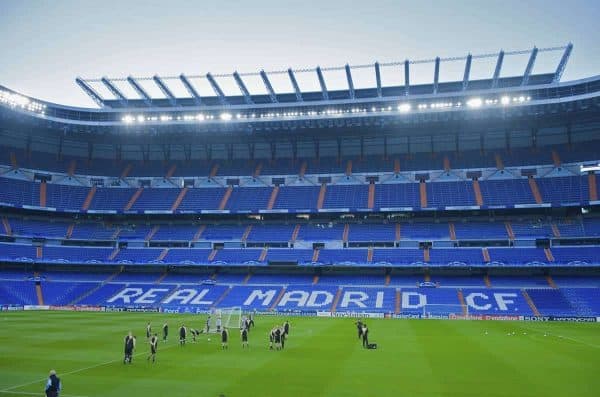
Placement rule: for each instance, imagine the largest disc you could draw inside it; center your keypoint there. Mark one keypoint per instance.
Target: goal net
(432, 310)
(230, 317)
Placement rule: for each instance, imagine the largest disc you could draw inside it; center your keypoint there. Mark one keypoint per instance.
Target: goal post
(227, 317)
(431, 310)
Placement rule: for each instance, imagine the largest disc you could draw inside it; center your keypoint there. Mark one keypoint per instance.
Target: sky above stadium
(46, 44)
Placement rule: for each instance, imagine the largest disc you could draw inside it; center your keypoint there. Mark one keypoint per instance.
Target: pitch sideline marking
(576, 340)
(564, 337)
(36, 394)
(10, 389)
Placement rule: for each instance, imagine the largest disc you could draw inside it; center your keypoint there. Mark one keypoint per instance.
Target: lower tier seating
(298, 292)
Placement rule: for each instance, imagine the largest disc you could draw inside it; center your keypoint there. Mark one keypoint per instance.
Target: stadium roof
(439, 101)
(245, 97)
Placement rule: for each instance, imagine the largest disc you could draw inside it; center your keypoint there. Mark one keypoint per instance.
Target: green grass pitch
(323, 357)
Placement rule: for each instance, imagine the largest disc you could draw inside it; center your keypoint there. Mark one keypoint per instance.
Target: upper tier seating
(449, 194)
(18, 193)
(400, 195)
(283, 233)
(508, 256)
(286, 166)
(346, 196)
(505, 193)
(107, 198)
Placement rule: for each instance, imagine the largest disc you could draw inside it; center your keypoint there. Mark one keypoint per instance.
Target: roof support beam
(165, 90)
(563, 63)
(90, 91)
(268, 86)
(436, 75)
(322, 83)
(498, 69)
(529, 67)
(216, 88)
(350, 82)
(243, 88)
(295, 85)
(467, 72)
(406, 77)
(138, 88)
(114, 90)
(378, 79)
(190, 89)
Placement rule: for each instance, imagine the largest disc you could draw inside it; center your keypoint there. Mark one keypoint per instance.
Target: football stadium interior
(466, 199)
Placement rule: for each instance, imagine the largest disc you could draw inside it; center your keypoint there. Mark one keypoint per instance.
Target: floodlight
(588, 168)
(404, 108)
(474, 103)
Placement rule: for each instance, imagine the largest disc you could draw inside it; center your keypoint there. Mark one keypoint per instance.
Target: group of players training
(277, 336)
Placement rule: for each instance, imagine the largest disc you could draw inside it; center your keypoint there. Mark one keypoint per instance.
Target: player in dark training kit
(195, 333)
(252, 318)
(359, 327)
(165, 332)
(286, 328)
(153, 346)
(277, 337)
(244, 337)
(365, 336)
(224, 338)
(182, 335)
(246, 323)
(129, 347)
(53, 385)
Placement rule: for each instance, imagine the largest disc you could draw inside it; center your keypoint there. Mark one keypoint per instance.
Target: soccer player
(282, 333)
(148, 331)
(165, 332)
(195, 333)
(153, 346)
(244, 338)
(277, 338)
(365, 336)
(219, 324)
(224, 338)
(208, 324)
(252, 317)
(271, 338)
(53, 386)
(129, 347)
(286, 328)
(182, 335)
(359, 327)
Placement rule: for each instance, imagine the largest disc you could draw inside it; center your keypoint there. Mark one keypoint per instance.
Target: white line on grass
(576, 340)
(9, 389)
(36, 394)
(563, 337)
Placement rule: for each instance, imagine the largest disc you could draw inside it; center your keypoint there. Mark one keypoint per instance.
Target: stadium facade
(474, 196)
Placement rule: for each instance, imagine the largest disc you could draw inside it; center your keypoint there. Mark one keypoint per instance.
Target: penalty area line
(75, 371)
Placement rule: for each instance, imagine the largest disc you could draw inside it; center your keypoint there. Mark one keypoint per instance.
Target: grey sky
(46, 44)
